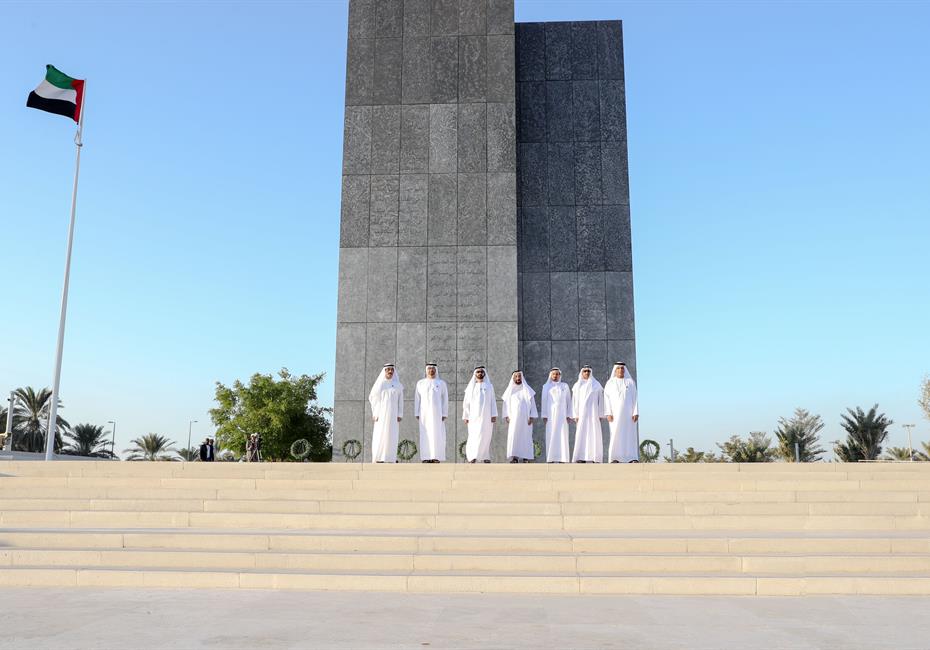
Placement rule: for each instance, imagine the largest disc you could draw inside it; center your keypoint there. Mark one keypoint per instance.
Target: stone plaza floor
(129, 618)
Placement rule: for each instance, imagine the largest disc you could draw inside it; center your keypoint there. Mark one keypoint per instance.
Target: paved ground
(130, 618)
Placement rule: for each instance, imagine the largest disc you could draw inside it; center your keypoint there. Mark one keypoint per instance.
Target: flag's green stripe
(56, 77)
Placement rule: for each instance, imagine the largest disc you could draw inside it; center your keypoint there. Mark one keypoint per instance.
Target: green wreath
(537, 449)
(462, 454)
(300, 449)
(649, 451)
(406, 449)
(351, 449)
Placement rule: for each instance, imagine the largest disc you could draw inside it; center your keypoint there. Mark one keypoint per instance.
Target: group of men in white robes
(585, 404)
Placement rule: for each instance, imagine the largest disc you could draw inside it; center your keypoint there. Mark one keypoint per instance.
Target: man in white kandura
(431, 408)
(622, 416)
(519, 410)
(556, 413)
(479, 411)
(588, 406)
(387, 409)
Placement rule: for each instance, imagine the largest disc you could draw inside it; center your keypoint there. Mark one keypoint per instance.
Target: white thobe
(556, 409)
(520, 406)
(620, 402)
(387, 404)
(587, 404)
(430, 406)
(479, 406)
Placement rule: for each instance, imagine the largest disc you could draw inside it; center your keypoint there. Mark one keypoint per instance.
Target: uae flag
(58, 93)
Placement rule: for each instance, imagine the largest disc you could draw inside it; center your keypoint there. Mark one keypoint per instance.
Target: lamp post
(189, 425)
(113, 443)
(910, 450)
(8, 443)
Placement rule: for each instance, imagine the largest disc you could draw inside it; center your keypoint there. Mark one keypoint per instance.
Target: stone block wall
(575, 257)
(428, 237)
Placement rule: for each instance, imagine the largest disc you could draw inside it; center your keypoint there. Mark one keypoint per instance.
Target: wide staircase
(753, 529)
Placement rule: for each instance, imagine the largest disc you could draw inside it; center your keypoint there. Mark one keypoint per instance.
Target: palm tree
(865, 433)
(189, 454)
(30, 419)
(88, 440)
(801, 429)
(691, 455)
(757, 448)
(897, 453)
(152, 446)
(925, 454)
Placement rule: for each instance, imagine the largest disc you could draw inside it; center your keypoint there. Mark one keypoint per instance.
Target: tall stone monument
(485, 204)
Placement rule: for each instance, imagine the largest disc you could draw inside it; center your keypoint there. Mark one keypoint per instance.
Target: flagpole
(53, 409)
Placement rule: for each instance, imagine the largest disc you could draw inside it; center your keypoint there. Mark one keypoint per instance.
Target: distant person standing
(622, 416)
(431, 408)
(588, 406)
(518, 405)
(479, 412)
(387, 409)
(205, 450)
(211, 450)
(251, 448)
(556, 403)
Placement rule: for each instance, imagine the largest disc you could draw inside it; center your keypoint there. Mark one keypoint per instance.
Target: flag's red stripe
(78, 85)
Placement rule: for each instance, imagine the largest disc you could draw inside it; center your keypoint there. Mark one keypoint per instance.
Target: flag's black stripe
(57, 106)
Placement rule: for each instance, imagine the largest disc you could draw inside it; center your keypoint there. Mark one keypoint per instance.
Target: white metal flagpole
(53, 407)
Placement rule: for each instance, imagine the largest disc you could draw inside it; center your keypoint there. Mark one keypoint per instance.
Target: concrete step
(423, 582)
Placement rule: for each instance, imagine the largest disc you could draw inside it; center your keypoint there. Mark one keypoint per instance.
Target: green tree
(897, 453)
(865, 433)
(924, 399)
(802, 428)
(281, 410)
(152, 446)
(87, 440)
(30, 419)
(691, 455)
(757, 448)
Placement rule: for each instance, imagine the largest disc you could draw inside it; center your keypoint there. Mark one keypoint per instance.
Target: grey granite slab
(443, 69)
(414, 139)
(558, 111)
(472, 209)
(388, 65)
(472, 137)
(590, 237)
(531, 52)
(534, 238)
(584, 50)
(416, 17)
(385, 139)
(382, 285)
(415, 81)
(532, 107)
(502, 283)
(558, 50)
(502, 202)
(362, 19)
(536, 362)
(380, 348)
(501, 138)
(471, 349)
(620, 312)
(586, 111)
(389, 18)
(594, 354)
(564, 310)
(565, 355)
(610, 49)
(353, 222)
(560, 167)
(382, 229)
(613, 111)
(471, 283)
(444, 17)
(443, 138)
(624, 351)
(473, 68)
(349, 419)
(360, 70)
(353, 277)
(440, 349)
(350, 361)
(356, 147)
(500, 68)
(563, 249)
(473, 17)
(442, 211)
(588, 173)
(592, 306)
(535, 306)
(441, 278)
(412, 209)
(500, 17)
(411, 284)
(616, 183)
(410, 360)
(618, 249)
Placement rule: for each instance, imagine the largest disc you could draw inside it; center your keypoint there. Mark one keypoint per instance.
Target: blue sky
(779, 183)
